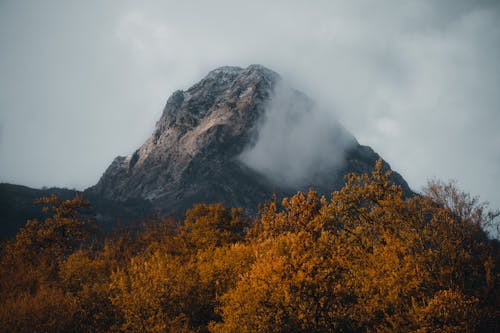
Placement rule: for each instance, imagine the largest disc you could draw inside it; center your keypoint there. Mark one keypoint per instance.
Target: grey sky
(419, 81)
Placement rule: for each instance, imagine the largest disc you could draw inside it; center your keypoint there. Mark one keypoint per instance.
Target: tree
(156, 293)
(59, 234)
(367, 260)
(212, 225)
(32, 298)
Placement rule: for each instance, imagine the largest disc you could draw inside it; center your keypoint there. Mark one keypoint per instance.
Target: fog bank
(297, 140)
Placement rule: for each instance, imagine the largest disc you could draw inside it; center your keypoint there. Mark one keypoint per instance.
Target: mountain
(230, 138)
(196, 151)
(214, 143)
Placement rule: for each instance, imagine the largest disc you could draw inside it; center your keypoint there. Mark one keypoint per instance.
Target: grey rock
(193, 153)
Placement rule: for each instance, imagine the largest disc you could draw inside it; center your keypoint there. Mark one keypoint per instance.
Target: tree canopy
(365, 259)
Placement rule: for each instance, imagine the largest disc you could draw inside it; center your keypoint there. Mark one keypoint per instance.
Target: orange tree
(166, 288)
(366, 260)
(32, 299)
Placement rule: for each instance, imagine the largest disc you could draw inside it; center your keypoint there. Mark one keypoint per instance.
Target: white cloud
(416, 80)
(297, 140)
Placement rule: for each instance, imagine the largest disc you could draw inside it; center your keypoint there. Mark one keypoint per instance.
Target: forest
(365, 259)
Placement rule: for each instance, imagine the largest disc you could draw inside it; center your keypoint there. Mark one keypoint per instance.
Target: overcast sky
(84, 81)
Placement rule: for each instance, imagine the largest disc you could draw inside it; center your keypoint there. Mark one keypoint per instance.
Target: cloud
(296, 140)
(416, 80)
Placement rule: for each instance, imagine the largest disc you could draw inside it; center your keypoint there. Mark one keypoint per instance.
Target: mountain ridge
(194, 151)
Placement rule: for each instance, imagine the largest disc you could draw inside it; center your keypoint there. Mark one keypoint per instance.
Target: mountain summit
(203, 147)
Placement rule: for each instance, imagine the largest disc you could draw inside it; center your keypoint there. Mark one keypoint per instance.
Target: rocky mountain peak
(211, 122)
(193, 152)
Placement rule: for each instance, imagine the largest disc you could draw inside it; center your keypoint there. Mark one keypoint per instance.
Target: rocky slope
(194, 153)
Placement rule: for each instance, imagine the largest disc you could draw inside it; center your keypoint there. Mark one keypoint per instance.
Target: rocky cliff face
(194, 153)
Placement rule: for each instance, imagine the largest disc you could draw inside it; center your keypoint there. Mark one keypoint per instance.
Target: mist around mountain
(238, 136)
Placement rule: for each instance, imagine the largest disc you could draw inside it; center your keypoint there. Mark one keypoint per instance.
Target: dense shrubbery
(364, 260)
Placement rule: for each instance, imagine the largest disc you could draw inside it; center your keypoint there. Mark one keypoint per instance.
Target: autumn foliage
(366, 259)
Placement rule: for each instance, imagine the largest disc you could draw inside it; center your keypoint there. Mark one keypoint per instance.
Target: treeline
(364, 260)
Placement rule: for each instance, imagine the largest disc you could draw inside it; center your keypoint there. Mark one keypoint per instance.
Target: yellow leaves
(49, 309)
(149, 294)
(79, 270)
(300, 213)
(359, 262)
(220, 269)
(366, 260)
(208, 226)
(448, 311)
(290, 287)
(254, 304)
